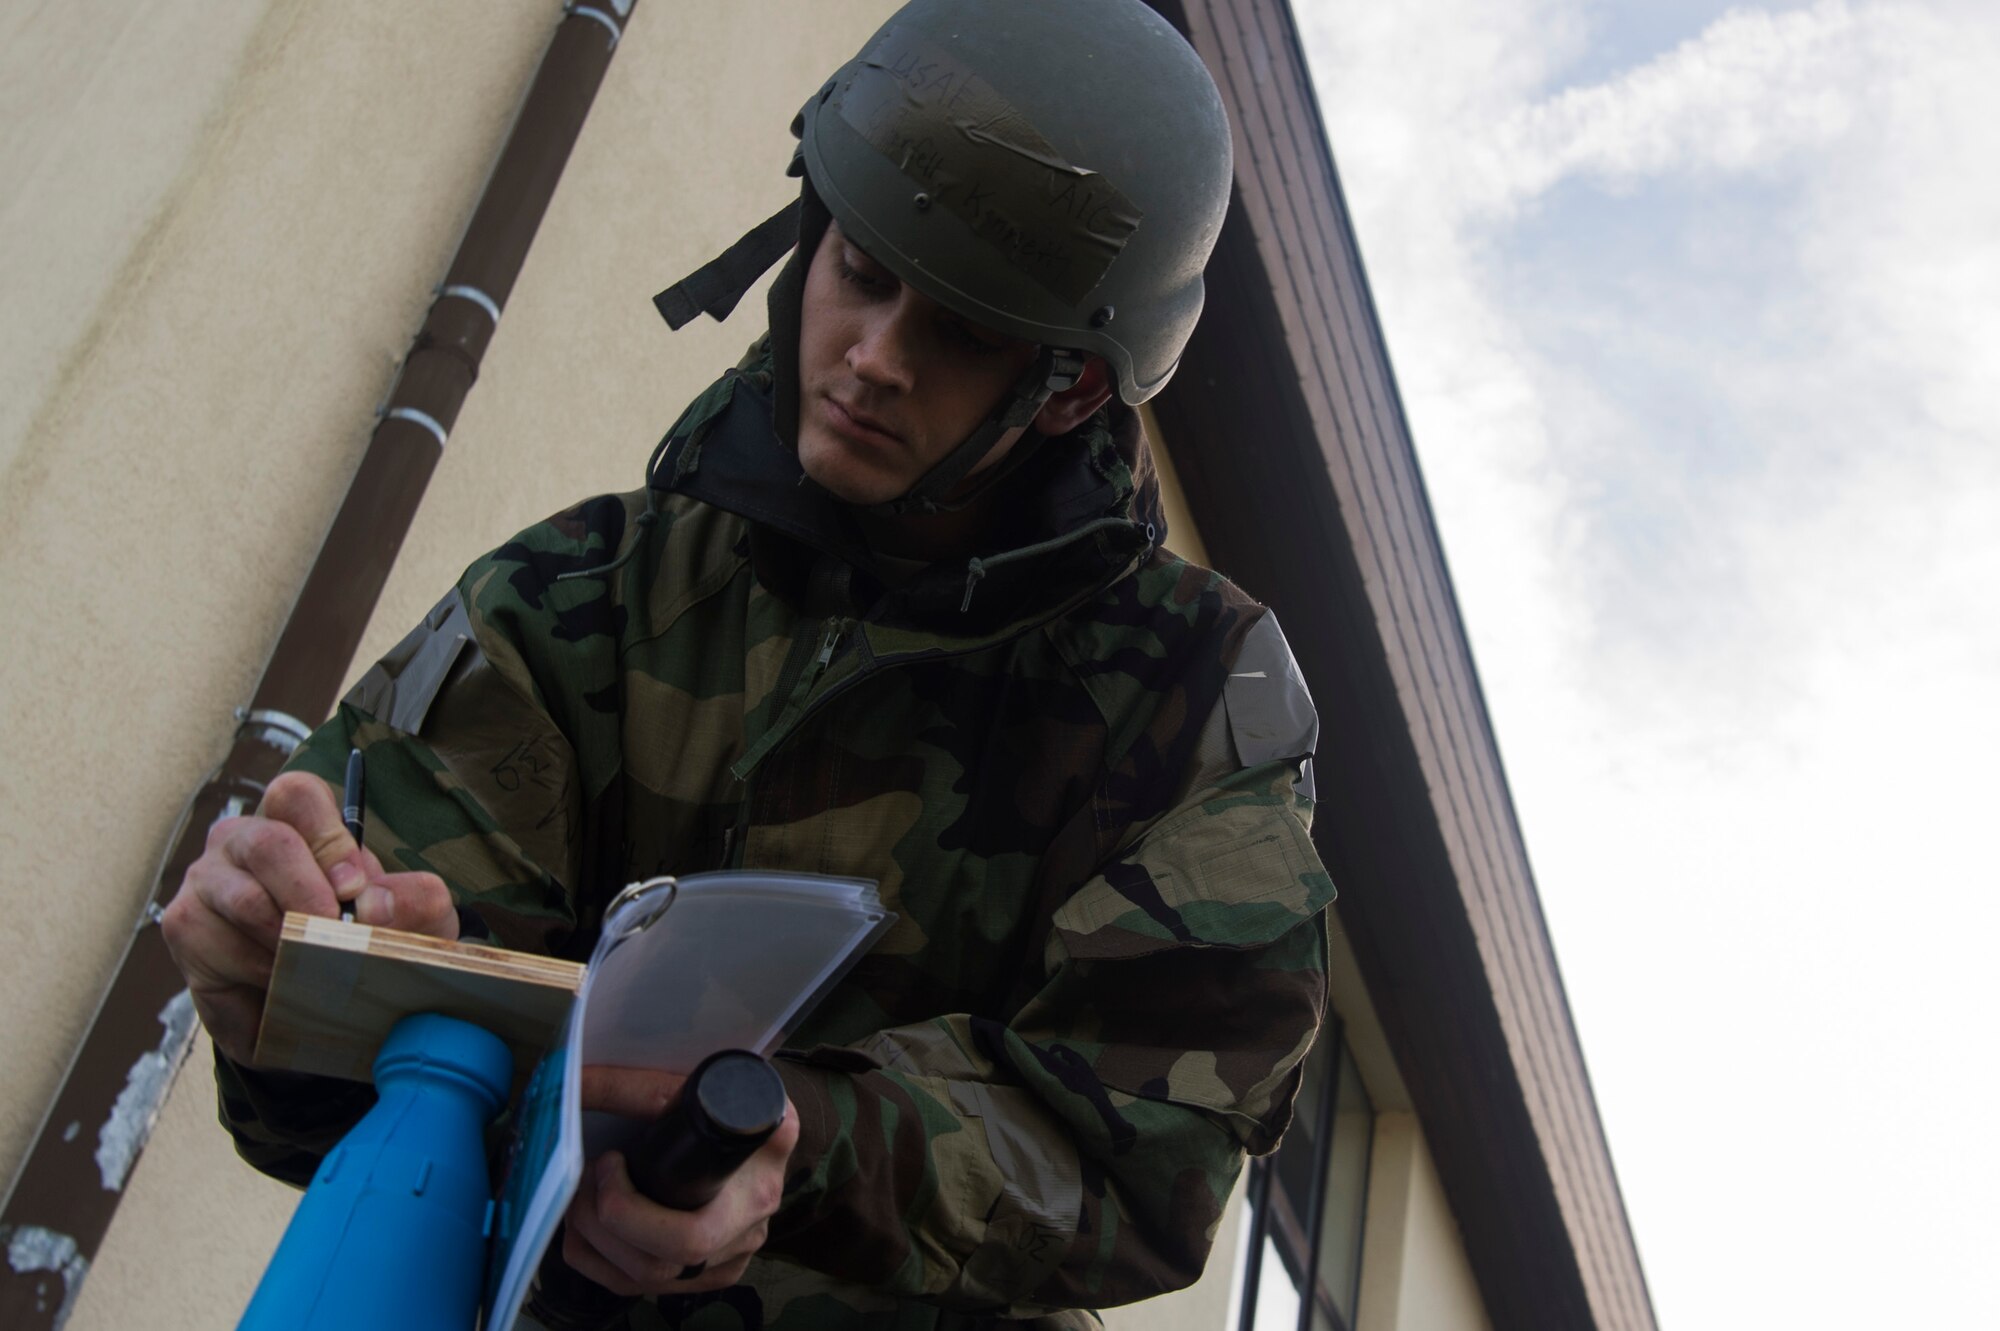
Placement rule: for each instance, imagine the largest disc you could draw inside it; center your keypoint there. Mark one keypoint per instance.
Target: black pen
(350, 810)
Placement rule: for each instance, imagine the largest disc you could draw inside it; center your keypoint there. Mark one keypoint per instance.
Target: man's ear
(1073, 406)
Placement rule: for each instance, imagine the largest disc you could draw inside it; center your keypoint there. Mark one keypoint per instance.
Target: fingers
(216, 949)
(231, 1017)
(221, 928)
(413, 901)
(223, 925)
(585, 1260)
(256, 869)
(779, 1146)
(631, 1245)
(633, 1092)
(417, 902)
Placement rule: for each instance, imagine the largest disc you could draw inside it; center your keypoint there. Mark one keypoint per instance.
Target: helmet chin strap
(1054, 370)
(714, 289)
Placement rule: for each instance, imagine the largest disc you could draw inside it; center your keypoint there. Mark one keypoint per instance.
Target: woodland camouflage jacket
(1074, 766)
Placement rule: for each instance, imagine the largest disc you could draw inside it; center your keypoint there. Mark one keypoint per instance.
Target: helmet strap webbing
(715, 287)
(785, 306)
(1054, 370)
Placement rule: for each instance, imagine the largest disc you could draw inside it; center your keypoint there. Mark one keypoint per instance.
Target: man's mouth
(859, 425)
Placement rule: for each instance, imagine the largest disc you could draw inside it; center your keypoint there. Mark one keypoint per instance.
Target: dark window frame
(1298, 1239)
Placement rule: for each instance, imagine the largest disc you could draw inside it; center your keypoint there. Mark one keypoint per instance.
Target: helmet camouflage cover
(1055, 170)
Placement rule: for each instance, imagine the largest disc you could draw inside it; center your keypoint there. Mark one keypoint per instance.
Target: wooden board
(338, 988)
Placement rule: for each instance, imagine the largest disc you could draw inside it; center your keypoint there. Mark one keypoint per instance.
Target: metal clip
(601, 17)
(280, 730)
(1065, 368)
(476, 296)
(668, 886)
(423, 418)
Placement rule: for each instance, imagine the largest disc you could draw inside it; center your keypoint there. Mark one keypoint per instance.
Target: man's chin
(861, 491)
(847, 478)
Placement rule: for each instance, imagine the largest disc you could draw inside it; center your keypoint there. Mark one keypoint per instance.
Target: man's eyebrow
(855, 245)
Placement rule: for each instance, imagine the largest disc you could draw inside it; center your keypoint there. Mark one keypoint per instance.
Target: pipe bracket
(280, 730)
(423, 418)
(477, 297)
(601, 17)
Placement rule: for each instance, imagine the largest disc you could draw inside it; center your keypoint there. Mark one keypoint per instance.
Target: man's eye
(971, 339)
(865, 280)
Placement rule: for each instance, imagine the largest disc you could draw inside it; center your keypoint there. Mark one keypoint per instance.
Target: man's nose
(882, 356)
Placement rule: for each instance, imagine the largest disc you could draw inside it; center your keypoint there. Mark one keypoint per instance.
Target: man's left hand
(629, 1244)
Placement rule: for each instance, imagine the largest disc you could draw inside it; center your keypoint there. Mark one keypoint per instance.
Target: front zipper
(832, 632)
(836, 629)
(828, 645)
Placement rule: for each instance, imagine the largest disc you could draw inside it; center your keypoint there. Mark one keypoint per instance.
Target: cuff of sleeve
(283, 1122)
(819, 1127)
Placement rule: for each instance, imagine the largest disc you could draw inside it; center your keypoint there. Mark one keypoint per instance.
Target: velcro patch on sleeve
(1271, 714)
(399, 689)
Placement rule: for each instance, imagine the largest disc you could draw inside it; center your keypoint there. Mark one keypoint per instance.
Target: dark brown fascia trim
(1289, 434)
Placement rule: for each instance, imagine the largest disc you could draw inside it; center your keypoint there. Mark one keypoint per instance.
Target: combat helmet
(1054, 170)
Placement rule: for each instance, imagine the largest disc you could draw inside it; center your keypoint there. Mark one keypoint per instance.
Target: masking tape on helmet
(967, 150)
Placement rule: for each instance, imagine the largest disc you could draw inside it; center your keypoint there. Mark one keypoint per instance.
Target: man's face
(889, 380)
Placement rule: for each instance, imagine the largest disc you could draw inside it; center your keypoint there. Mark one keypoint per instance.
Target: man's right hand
(293, 854)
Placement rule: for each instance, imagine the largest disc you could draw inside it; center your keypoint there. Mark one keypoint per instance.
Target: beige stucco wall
(219, 226)
(1414, 1276)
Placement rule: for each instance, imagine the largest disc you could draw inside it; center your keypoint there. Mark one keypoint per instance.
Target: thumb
(632, 1092)
(309, 806)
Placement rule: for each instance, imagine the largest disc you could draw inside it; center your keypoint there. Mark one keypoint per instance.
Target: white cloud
(1749, 91)
(1703, 362)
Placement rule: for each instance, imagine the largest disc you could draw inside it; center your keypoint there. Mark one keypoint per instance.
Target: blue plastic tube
(391, 1233)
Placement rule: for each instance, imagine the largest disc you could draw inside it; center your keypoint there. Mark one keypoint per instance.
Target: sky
(1695, 310)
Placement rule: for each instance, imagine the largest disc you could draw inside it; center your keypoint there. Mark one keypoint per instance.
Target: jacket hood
(1072, 518)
